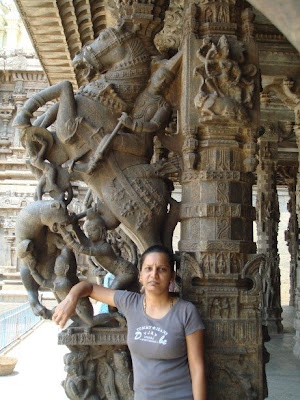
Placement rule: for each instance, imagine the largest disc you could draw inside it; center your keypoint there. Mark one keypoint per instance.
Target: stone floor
(283, 369)
(40, 368)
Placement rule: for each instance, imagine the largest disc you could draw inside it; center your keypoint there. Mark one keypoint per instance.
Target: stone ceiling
(59, 28)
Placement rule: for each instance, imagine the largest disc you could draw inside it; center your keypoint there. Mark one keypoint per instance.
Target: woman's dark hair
(157, 248)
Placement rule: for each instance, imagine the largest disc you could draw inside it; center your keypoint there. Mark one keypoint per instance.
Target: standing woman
(165, 334)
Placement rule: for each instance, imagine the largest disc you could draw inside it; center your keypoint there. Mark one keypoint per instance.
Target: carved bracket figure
(119, 171)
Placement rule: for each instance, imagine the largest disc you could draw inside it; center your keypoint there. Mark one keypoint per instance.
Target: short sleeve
(125, 301)
(193, 321)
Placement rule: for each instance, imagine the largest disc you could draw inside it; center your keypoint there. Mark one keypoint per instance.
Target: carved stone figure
(38, 245)
(96, 245)
(52, 178)
(123, 375)
(149, 117)
(227, 84)
(107, 382)
(60, 284)
(82, 121)
(80, 381)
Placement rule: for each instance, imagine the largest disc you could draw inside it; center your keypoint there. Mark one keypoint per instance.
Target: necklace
(171, 302)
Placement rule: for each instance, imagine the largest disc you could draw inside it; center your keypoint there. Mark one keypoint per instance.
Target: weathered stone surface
(210, 117)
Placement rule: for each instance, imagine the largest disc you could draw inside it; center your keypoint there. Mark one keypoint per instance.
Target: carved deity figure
(95, 244)
(107, 380)
(149, 117)
(227, 84)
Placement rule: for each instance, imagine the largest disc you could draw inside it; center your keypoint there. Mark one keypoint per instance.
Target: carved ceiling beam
(59, 29)
(98, 16)
(45, 27)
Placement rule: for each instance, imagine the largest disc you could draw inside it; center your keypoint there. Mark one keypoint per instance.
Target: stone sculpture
(124, 181)
(227, 84)
(113, 158)
(38, 246)
(105, 136)
(96, 245)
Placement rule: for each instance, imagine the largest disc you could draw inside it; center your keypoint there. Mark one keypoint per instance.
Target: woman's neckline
(175, 300)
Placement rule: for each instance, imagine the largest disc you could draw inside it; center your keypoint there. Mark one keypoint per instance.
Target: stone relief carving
(38, 245)
(241, 385)
(227, 81)
(168, 40)
(80, 382)
(287, 91)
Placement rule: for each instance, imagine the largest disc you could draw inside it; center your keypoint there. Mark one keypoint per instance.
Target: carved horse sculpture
(131, 195)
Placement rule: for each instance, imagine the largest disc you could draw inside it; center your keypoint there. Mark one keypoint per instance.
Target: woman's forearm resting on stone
(67, 307)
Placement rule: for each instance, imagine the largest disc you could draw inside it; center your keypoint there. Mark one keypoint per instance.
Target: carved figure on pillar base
(123, 375)
(102, 374)
(80, 382)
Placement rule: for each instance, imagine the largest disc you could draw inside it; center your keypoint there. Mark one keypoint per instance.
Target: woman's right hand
(64, 310)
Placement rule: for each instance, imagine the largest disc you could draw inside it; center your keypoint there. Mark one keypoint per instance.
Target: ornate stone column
(219, 117)
(19, 96)
(296, 349)
(6, 110)
(291, 234)
(267, 228)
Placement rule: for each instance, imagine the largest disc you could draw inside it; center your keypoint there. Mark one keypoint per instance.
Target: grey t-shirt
(158, 347)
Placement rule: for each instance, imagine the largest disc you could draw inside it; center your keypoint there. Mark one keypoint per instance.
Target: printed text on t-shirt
(152, 334)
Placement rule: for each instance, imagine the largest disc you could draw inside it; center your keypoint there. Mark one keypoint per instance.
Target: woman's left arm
(195, 353)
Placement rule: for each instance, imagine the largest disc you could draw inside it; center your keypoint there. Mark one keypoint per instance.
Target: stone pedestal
(99, 364)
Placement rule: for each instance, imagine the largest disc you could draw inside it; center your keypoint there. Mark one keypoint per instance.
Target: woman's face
(156, 273)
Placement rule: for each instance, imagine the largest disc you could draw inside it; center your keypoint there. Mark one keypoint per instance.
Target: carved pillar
(19, 96)
(219, 270)
(285, 91)
(291, 237)
(98, 365)
(267, 229)
(296, 349)
(6, 110)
